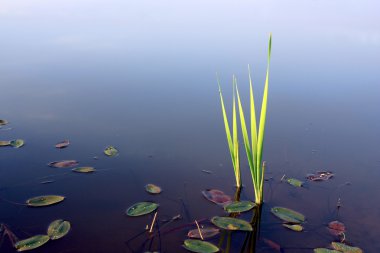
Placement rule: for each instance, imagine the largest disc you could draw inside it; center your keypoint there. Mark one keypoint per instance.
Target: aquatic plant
(254, 148)
(233, 142)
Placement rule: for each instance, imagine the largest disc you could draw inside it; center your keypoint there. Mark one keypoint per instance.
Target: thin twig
(151, 226)
(199, 230)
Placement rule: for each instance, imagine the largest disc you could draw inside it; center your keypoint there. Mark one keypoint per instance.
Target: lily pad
(336, 228)
(84, 169)
(238, 207)
(323, 250)
(294, 227)
(63, 164)
(32, 242)
(3, 122)
(288, 215)
(46, 200)
(141, 208)
(58, 229)
(294, 182)
(217, 197)
(345, 248)
(63, 144)
(320, 176)
(110, 151)
(199, 246)
(229, 223)
(17, 143)
(153, 189)
(207, 232)
(5, 143)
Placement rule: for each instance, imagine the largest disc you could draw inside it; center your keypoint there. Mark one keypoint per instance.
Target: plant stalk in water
(254, 147)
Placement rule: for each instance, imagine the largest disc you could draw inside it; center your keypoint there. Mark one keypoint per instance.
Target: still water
(141, 77)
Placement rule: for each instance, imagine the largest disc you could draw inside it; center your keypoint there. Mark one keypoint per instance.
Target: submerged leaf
(110, 151)
(32, 242)
(141, 208)
(207, 232)
(294, 227)
(63, 164)
(84, 169)
(229, 223)
(272, 245)
(58, 229)
(320, 176)
(46, 200)
(323, 250)
(288, 215)
(345, 248)
(238, 207)
(3, 122)
(200, 246)
(17, 143)
(153, 189)
(336, 228)
(5, 143)
(217, 197)
(294, 182)
(62, 144)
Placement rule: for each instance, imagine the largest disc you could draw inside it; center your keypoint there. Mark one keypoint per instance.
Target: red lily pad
(336, 228)
(63, 164)
(320, 176)
(207, 232)
(216, 196)
(62, 144)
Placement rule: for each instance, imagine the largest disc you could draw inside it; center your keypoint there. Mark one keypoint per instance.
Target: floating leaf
(32, 242)
(141, 208)
(3, 122)
(17, 143)
(46, 200)
(153, 189)
(288, 215)
(63, 164)
(238, 207)
(345, 248)
(217, 197)
(294, 227)
(58, 229)
(320, 176)
(110, 151)
(5, 143)
(84, 169)
(62, 144)
(336, 228)
(200, 246)
(207, 232)
(294, 182)
(231, 223)
(323, 250)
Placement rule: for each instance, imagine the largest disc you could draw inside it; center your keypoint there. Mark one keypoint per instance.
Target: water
(141, 77)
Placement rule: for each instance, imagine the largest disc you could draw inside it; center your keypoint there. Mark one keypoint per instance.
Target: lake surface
(141, 77)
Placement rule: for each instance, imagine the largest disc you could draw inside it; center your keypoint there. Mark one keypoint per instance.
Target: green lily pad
(111, 151)
(46, 200)
(229, 223)
(17, 143)
(323, 250)
(294, 227)
(295, 182)
(58, 229)
(5, 143)
(84, 169)
(3, 122)
(141, 208)
(199, 246)
(153, 189)
(288, 215)
(32, 242)
(345, 248)
(238, 207)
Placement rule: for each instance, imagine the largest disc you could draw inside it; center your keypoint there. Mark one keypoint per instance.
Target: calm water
(141, 77)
